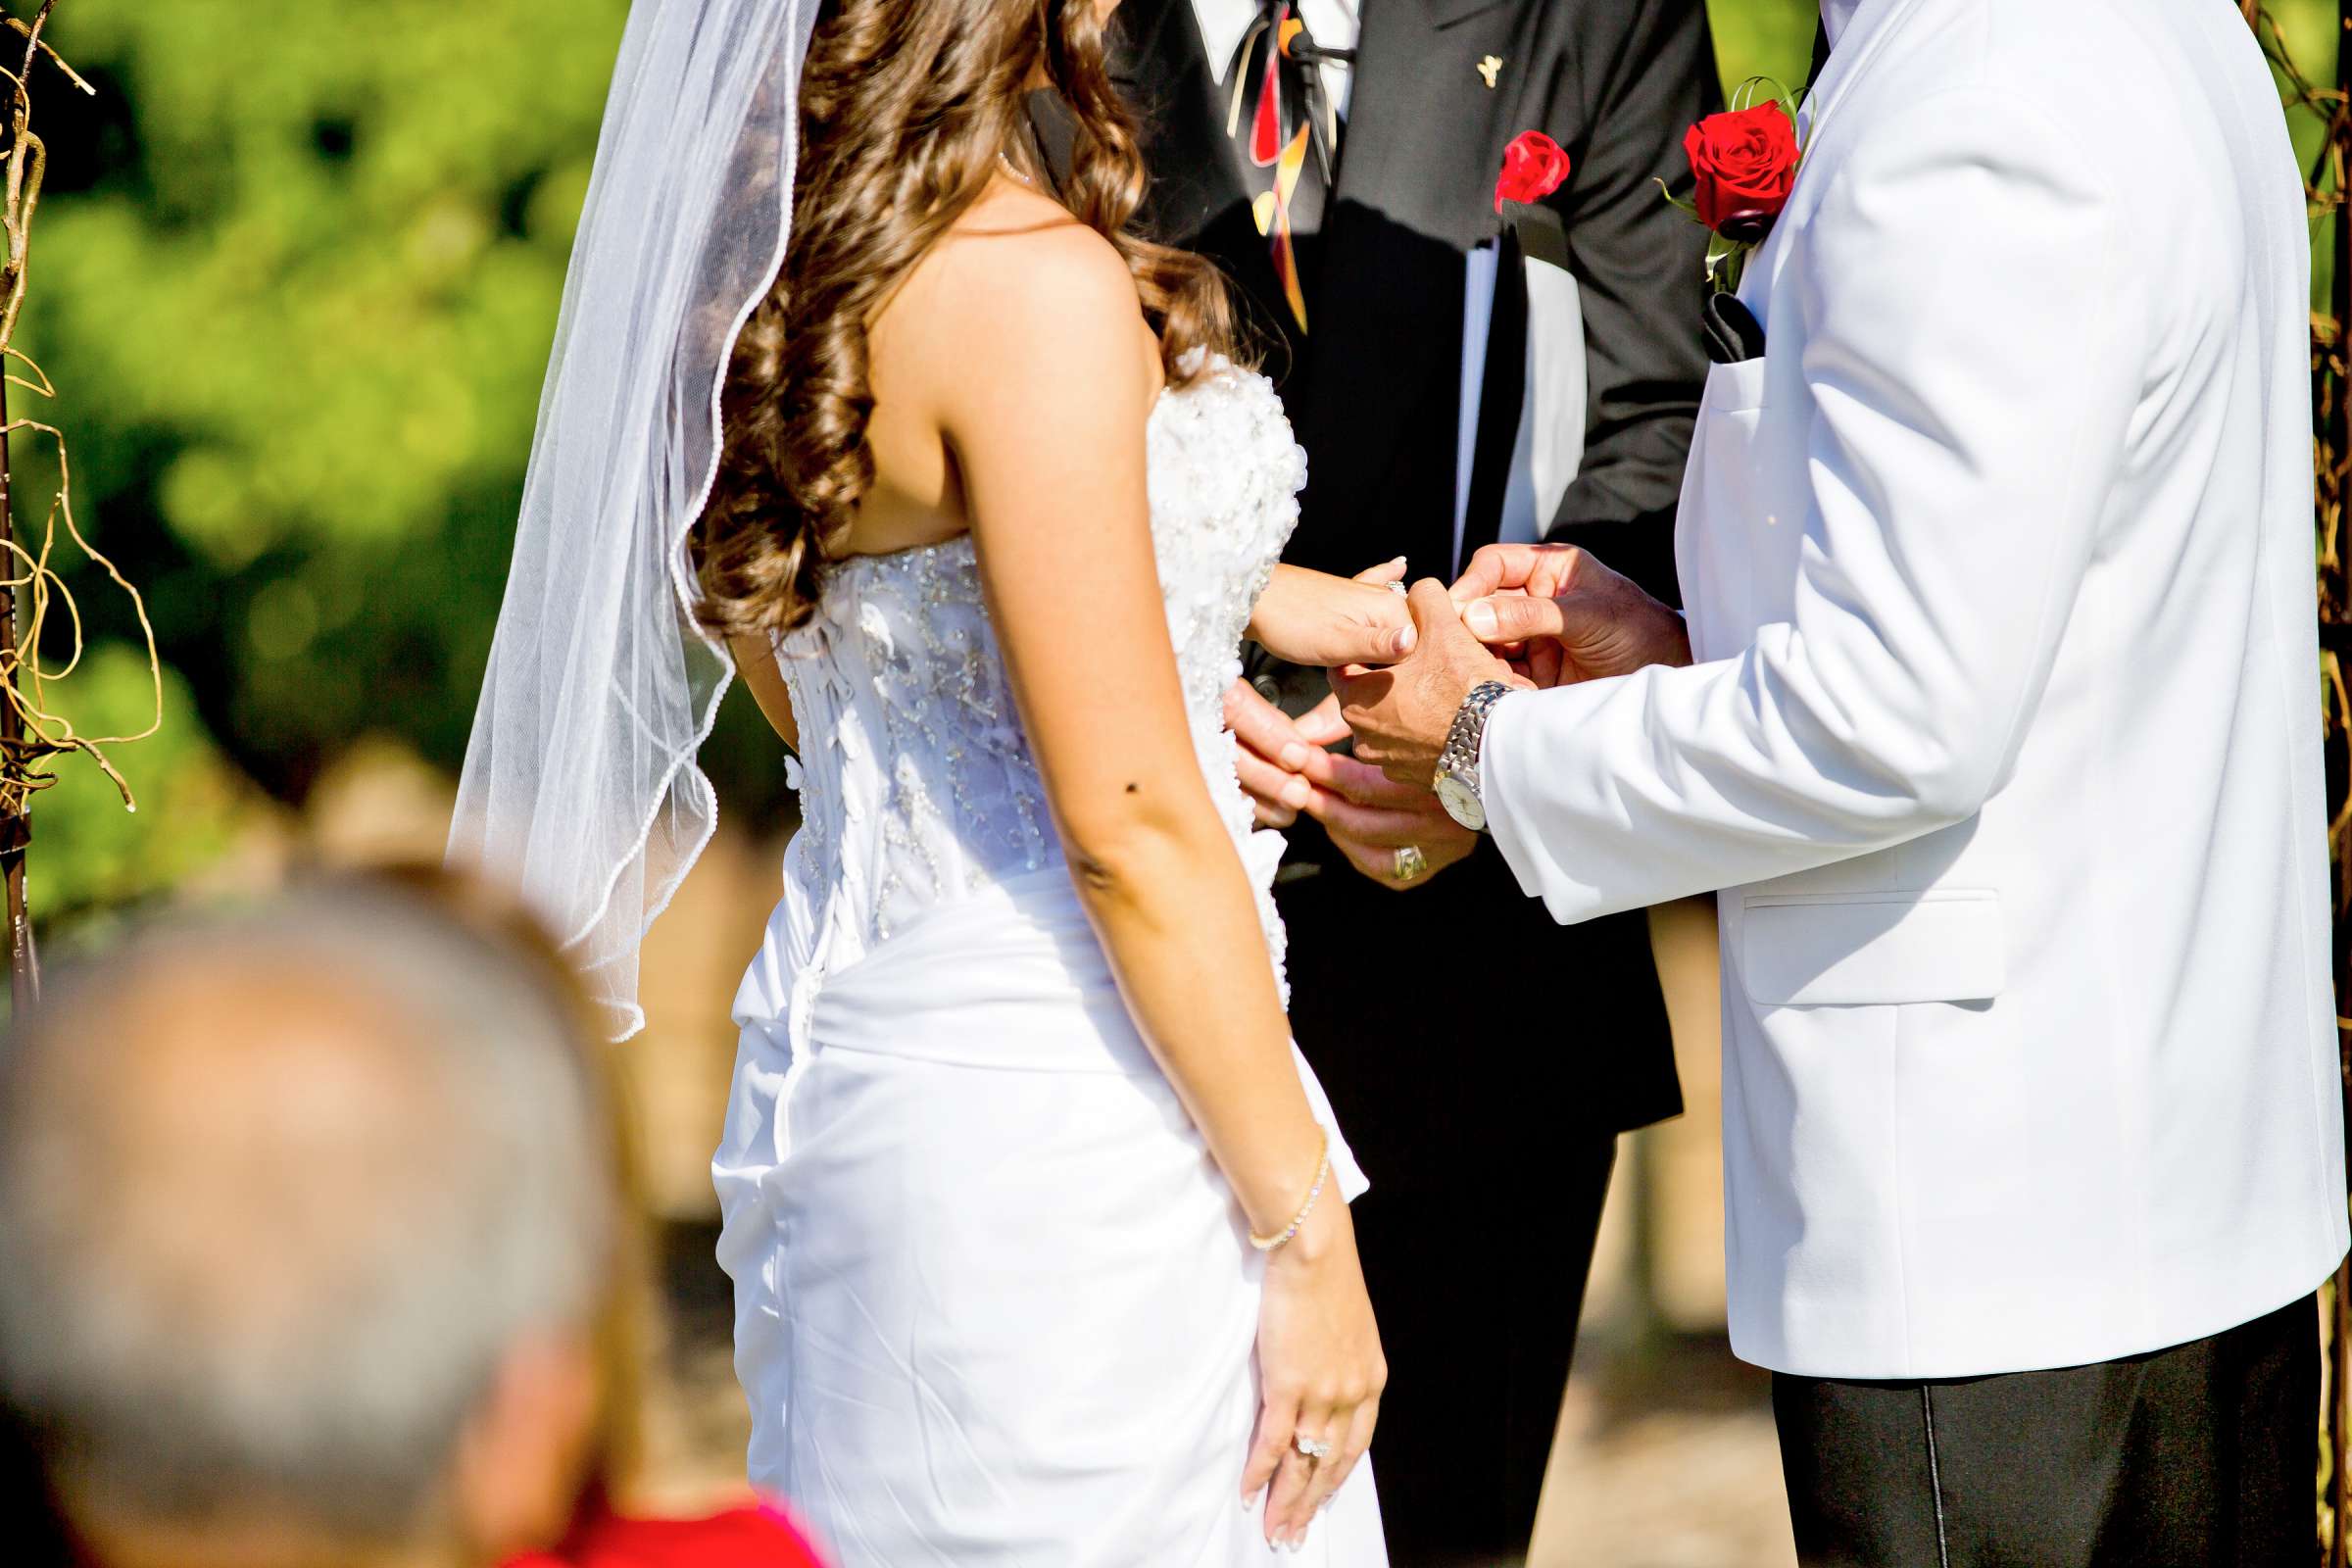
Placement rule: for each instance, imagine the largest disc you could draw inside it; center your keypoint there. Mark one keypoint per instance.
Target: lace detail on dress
(922, 786)
(1224, 478)
(917, 782)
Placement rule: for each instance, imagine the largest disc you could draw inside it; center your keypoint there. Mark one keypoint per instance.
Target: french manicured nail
(1297, 794)
(1407, 636)
(1480, 619)
(1293, 758)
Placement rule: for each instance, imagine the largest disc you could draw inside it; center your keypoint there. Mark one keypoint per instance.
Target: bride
(1037, 1220)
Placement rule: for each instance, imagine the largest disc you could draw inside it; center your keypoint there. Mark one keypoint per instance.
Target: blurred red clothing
(745, 1537)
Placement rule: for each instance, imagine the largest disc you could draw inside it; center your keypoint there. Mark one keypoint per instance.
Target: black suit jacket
(1374, 387)
(1373, 390)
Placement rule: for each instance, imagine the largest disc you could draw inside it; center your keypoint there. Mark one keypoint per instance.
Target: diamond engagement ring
(1411, 863)
(1311, 1448)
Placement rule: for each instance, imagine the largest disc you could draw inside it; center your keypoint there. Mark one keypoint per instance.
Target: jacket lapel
(1863, 36)
(1861, 40)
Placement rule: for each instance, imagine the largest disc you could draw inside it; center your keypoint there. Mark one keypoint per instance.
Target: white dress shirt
(1333, 23)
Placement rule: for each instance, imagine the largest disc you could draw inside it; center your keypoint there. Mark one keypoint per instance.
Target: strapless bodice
(918, 786)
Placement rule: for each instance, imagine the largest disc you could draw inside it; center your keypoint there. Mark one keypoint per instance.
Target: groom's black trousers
(2198, 1456)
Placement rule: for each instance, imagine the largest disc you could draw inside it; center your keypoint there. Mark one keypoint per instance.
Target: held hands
(1558, 613)
(1299, 608)
(1394, 835)
(1565, 618)
(1555, 615)
(1400, 716)
(1375, 822)
(1311, 618)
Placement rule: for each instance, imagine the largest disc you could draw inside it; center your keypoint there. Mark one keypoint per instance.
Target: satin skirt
(995, 1304)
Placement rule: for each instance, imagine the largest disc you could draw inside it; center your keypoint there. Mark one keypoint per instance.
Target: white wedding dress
(995, 1304)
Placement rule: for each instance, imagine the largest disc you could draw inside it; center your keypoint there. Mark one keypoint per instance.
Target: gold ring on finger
(1411, 865)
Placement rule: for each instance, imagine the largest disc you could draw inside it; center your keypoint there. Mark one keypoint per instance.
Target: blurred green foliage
(1763, 38)
(188, 801)
(296, 283)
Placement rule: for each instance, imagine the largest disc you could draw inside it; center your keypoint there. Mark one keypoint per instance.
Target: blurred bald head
(283, 1194)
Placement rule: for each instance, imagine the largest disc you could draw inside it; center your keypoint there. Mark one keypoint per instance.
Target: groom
(1455, 377)
(1994, 722)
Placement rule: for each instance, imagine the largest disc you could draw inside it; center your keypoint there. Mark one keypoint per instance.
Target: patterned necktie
(1291, 129)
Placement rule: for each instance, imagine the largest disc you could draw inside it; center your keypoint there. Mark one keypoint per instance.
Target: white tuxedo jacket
(2004, 742)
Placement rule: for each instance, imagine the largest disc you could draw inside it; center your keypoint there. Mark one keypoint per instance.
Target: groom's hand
(1376, 823)
(1566, 616)
(1401, 714)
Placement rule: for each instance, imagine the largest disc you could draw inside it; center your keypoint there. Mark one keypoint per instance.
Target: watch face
(1461, 803)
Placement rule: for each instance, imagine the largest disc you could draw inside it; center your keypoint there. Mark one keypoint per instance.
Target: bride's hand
(1320, 1370)
(1313, 618)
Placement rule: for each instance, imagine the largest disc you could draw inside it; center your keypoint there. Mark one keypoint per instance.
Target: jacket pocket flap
(1873, 950)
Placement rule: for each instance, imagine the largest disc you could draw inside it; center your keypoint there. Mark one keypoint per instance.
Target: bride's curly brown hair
(905, 108)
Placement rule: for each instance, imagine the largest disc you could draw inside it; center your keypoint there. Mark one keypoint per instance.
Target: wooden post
(29, 732)
(2334, 445)
(16, 824)
(16, 828)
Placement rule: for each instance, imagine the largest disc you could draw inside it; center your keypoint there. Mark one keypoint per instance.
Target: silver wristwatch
(1456, 782)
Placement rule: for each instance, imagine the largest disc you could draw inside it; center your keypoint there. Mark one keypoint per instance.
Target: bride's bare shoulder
(1019, 284)
(1019, 248)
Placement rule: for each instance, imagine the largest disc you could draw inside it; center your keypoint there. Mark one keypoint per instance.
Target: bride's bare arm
(755, 662)
(1050, 445)
(1312, 618)
(1043, 378)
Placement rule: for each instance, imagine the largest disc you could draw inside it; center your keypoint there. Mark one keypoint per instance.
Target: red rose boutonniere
(1744, 163)
(1533, 167)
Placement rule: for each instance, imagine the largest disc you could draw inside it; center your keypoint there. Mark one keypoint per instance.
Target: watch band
(1457, 783)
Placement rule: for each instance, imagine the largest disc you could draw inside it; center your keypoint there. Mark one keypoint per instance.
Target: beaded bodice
(916, 781)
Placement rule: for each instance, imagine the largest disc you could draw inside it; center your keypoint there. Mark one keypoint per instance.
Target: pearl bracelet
(1267, 1244)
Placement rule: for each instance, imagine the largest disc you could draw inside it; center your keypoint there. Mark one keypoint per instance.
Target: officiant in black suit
(1455, 377)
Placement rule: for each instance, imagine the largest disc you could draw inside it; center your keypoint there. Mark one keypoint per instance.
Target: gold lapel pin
(1490, 68)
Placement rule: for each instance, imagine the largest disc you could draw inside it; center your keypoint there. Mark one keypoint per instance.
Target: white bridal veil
(580, 781)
